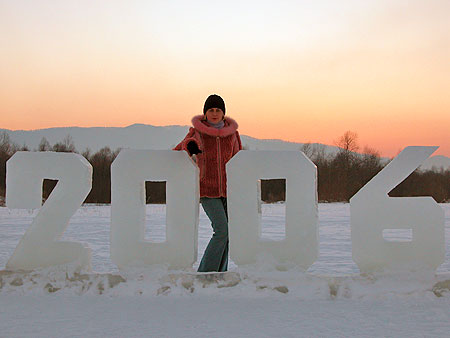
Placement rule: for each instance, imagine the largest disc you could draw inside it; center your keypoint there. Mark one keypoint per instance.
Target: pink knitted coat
(218, 146)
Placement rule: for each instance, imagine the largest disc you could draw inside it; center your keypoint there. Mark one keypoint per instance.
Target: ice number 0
(39, 247)
(300, 245)
(129, 172)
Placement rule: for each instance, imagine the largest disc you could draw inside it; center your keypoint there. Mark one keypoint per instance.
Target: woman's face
(214, 115)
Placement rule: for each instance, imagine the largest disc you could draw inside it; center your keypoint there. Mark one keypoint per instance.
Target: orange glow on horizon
(290, 71)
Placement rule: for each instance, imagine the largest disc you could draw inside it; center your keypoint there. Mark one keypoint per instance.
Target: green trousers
(215, 257)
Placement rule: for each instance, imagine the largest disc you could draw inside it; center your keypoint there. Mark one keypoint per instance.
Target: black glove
(192, 148)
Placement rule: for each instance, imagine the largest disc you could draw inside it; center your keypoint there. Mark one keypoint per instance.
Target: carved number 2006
(40, 246)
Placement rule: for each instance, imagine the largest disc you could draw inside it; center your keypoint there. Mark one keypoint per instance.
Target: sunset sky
(303, 71)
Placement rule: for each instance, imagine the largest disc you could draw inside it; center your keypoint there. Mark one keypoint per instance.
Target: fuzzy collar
(229, 128)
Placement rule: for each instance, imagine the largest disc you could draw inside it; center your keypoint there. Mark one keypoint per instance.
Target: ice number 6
(373, 211)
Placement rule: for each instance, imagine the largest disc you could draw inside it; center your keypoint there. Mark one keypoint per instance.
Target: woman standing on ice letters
(212, 142)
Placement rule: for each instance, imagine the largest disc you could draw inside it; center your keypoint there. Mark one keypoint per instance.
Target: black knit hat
(214, 101)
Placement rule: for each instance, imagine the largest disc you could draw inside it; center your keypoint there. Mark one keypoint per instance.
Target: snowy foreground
(330, 300)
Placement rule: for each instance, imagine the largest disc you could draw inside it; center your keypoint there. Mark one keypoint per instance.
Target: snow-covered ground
(330, 300)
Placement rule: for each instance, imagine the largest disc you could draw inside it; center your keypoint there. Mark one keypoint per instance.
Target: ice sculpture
(39, 247)
(372, 211)
(300, 245)
(129, 172)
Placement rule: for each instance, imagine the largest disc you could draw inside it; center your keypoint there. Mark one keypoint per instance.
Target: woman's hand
(193, 149)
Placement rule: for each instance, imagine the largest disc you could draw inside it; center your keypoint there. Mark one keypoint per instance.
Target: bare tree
(44, 145)
(101, 185)
(86, 153)
(6, 145)
(369, 151)
(345, 165)
(66, 145)
(307, 149)
(348, 142)
(7, 149)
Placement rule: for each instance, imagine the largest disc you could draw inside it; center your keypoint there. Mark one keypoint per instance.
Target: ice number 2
(39, 247)
(373, 211)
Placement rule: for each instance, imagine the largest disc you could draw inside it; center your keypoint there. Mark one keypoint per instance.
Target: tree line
(340, 175)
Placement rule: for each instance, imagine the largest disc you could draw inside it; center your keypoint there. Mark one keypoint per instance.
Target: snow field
(265, 300)
(333, 274)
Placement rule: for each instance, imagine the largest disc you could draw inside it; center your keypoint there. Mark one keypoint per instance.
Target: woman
(212, 141)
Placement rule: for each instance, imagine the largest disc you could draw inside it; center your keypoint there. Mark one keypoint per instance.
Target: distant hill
(136, 136)
(142, 136)
(437, 162)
